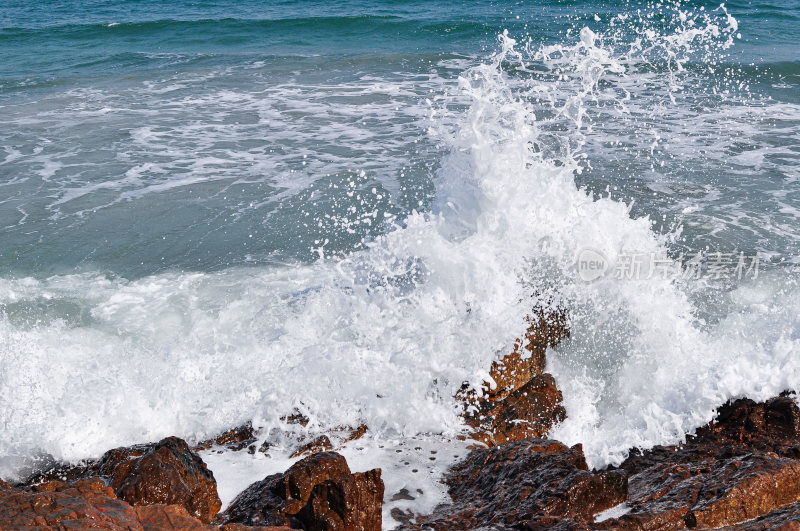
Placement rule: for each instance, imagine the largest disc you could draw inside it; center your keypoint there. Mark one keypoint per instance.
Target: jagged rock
(234, 439)
(787, 518)
(167, 472)
(87, 503)
(523, 401)
(525, 482)
(530, 411)
(277, 498)
(357, 433)
(347, 503)
(175, 518)
(741, 466)
(320, 444)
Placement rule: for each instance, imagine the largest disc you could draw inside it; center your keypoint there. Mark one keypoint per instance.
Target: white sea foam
(385, 336)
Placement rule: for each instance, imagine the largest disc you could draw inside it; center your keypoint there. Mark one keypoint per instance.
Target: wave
(386, 335)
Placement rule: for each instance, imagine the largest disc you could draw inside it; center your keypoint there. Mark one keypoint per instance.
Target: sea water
(214, 213)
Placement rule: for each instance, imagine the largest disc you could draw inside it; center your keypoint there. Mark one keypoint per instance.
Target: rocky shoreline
(741, 471)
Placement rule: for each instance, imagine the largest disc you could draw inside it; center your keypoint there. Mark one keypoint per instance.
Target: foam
(386, 335)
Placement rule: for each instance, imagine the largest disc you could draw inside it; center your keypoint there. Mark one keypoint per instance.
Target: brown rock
(533, 481)
(169, 518)
(787, 518)
(347, 503)
(524, 401)
(277, 498)
(741, 466)
(320, 444)
(234, 439)
(167, 472)
(530, 411)
(357, 433)
(85, 504)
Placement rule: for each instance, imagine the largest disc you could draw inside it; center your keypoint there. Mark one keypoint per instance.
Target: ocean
(220, 212)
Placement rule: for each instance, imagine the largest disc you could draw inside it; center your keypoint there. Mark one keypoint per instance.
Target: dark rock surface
(741, 466)
(320, 444)
(166, 472)
(345, 503)
(317, 492)
(534, 481)
(524, 400)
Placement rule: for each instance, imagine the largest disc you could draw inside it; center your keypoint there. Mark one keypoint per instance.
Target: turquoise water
(179, 134)
(213, 212)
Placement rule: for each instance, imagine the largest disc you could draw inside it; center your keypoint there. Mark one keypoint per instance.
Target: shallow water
(214, 213)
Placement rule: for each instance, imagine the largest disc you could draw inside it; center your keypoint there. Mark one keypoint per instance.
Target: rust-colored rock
(320, 444)
(347, 503)
(534, 481)
(277, 498)
(235, 439)
(787, 518)
(85, 504)
(175, 518)
(739, 467)
(167, 472)
(523, 401)
(530, 411)
(357, 433)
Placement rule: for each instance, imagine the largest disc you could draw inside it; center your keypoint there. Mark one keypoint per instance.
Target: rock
(277, 498)
(347, 503)
(532, 482)
(175, 518)
(787, 518)
(87, 503)
(296, 418)
(317, 493)
(234, 439)
(741, 466)
(320, 444)
(530, 411)
(523, 401)
(357, 433)
(167, 472)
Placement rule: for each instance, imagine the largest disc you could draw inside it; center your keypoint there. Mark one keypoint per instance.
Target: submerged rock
(317, 492)
(534, 482)
(320, 444)
(235, 439)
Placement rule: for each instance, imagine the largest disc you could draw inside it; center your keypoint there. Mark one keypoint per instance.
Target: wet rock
(167, 472)
(277, 498)
(234, 439)
(85, 504)
(175, 518)
(296, 418)
(357, 433)
(320, 444)
(739, 467)
(522, 401)
(347, 503)
(530, 411)
(787, 518)
(530, 482)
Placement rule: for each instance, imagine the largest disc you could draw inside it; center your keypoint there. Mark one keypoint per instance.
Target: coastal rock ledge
(741, 471)
(166, 486)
